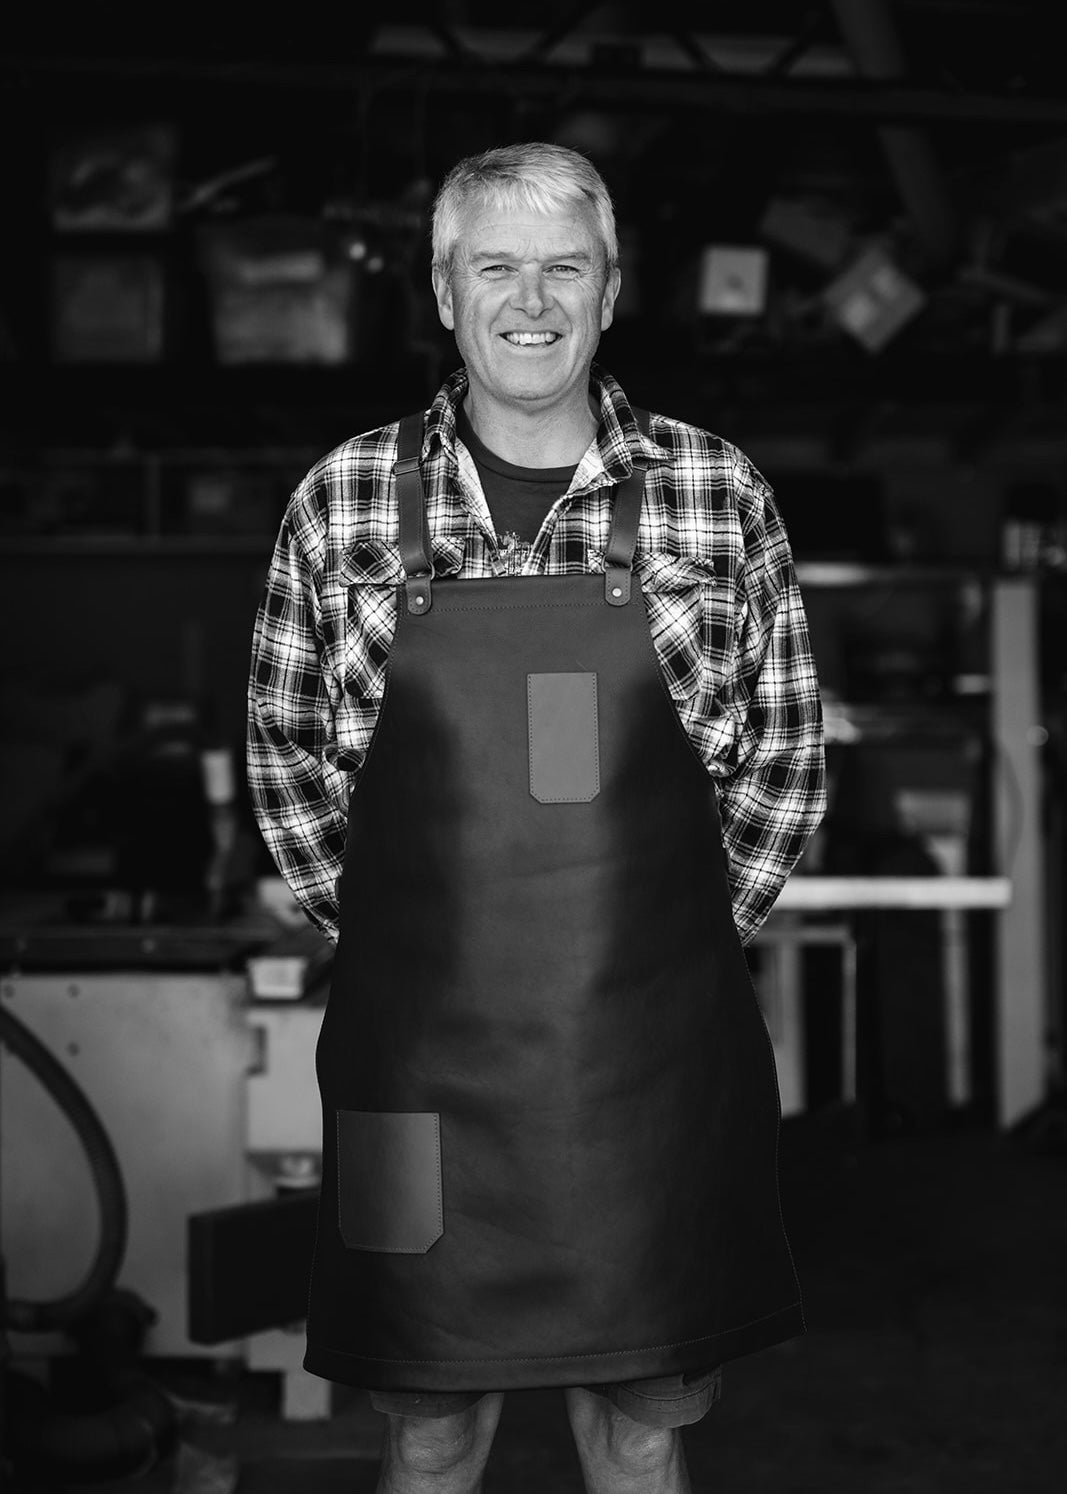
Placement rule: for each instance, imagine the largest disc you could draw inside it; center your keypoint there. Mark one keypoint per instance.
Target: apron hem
(538, 1372)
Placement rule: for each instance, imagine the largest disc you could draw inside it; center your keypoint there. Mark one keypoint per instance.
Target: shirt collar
(440, 428)
(619, 442)
(609, 459)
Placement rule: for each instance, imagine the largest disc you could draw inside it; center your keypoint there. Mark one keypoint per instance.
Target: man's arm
(298, 794)
(776, 796)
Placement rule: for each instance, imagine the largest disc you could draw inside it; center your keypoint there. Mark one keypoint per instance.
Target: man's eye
(495, 269)
(566, 271)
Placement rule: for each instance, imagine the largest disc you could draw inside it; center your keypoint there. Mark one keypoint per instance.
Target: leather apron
(549, 1097)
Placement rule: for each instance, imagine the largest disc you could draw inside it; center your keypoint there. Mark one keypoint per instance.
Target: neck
(538, 438)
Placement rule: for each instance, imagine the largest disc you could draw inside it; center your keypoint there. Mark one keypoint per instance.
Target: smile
(530, 339)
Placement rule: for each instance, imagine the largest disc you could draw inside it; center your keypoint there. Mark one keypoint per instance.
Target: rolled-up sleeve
(298, 794)
(775, 796)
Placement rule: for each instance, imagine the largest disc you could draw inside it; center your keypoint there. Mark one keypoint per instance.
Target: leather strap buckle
(419, 592)
(617, 585)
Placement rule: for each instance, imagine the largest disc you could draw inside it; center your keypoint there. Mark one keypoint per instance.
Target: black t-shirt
(518, 497)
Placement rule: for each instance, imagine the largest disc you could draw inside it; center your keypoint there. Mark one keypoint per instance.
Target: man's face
(528, 297)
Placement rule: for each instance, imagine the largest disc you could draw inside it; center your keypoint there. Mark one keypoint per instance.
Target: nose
(532, 293)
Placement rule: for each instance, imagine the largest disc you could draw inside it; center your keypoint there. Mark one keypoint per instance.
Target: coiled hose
(119, 1440)
(37, 1317)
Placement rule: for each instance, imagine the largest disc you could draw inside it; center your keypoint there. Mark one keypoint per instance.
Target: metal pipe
(827, 98)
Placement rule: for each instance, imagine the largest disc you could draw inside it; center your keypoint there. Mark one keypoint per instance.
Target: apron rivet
(420, 601)
(616, 591)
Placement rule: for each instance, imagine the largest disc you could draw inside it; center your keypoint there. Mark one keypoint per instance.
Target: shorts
(667, 1401)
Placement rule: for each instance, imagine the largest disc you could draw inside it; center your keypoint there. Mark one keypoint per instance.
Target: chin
(525, 393)
(538, 395)
(537, 387)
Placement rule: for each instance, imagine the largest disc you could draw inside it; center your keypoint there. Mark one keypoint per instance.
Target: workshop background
(844, 248)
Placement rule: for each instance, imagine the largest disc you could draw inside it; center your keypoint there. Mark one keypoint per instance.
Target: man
(532, 675)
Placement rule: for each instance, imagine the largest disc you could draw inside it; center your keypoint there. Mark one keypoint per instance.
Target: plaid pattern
(723, 606)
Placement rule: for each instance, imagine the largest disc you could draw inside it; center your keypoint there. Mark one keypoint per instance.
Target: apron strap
(622, 541)
(415, 538)
(411, 502)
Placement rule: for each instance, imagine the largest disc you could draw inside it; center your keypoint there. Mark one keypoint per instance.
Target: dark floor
(935, 1276)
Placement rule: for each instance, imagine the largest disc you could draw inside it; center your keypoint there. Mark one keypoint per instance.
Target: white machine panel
(163, 1060)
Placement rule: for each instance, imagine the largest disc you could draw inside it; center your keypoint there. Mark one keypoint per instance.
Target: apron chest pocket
(564, 739)
(389, 1180)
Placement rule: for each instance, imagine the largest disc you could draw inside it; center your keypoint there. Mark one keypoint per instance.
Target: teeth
(530, 339)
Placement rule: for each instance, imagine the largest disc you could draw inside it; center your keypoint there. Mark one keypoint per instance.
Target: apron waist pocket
(389, 1180)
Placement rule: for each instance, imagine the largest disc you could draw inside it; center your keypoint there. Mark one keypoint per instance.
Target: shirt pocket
(371, 570)
(376, 562)
(691, 619)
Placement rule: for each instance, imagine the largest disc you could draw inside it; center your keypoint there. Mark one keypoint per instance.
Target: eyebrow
(491, 256)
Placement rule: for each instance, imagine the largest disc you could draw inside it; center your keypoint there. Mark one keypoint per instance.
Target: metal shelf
(889, 722)
(827, 574)
(815, 894)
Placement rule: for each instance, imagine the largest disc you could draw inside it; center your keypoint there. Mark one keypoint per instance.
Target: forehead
(485, 229)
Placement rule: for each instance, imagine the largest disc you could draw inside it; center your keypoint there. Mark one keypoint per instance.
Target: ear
(442, 289)
(607, 305)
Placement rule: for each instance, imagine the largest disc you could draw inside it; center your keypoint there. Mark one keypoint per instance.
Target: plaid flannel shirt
(724, 611)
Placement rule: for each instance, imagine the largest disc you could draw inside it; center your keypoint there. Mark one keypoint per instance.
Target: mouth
(531, 339)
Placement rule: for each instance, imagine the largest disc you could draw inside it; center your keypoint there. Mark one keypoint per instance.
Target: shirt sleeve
(298, 794)
(775, 797)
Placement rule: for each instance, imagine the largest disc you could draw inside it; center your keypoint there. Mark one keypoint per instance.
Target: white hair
(540, 177)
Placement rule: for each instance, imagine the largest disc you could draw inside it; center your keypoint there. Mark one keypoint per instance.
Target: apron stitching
(585, 798)
(337, 1168)
(515, 606)
(681, 1343)
(399, 1249)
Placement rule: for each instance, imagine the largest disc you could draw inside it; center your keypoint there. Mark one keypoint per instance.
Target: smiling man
(534, 734)
(528, 296)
